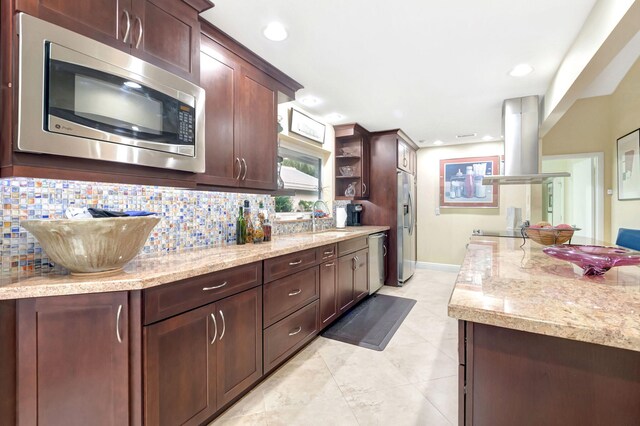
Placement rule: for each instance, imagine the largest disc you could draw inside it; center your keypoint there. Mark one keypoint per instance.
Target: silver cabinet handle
(224, 325)
(364, 188)
(295, 292)
(215, 328)
(298, 330)
(353, 263)
(404, 161)
(244, 176)
(295, 263)
(214, 287)
(384, 250)
(328, 253)
(128, 30)
(139, 21)
(329, 264)
(118, 324)
(239, 168)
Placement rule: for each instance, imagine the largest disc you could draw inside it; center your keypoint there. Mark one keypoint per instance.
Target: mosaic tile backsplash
(189, 218)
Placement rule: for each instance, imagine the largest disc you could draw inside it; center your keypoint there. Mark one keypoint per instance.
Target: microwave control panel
(186, 122)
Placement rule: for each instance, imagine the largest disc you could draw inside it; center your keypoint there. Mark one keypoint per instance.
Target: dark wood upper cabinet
(73, 354)
(406, 156)
(256, 129)
(352, 150)
(102, 20)
(241, 127)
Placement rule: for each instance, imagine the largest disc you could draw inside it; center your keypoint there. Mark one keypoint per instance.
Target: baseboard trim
(438, 266)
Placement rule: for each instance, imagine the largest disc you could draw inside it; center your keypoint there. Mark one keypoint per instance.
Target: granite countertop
(524, 289)
(149, 270)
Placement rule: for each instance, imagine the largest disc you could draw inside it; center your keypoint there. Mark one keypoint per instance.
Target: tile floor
(414, 381)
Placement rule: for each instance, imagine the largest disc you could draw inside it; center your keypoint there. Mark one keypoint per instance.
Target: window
(302, 174)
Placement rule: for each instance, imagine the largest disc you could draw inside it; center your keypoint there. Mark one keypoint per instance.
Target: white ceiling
(434, 68)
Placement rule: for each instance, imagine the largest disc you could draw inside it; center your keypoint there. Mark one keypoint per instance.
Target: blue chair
(629, 238)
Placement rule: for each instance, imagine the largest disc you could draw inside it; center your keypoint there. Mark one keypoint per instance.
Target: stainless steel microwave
(81, 98)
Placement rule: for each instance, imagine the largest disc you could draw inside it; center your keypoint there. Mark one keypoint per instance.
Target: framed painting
(303, 125)
(629, 166)
(461, 182)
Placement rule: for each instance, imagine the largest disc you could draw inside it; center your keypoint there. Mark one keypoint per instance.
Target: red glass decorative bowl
(594, 260)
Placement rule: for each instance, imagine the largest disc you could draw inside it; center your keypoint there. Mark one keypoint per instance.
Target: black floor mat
(372, 323)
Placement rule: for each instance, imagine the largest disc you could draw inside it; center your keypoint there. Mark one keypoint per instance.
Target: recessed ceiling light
(466, 135)
(438, 142)
(334, 117)
(521, 70)
(275, 31)
(309, 101)
(487, 137)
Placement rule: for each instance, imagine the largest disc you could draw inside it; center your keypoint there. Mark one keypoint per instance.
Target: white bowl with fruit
(546, 234)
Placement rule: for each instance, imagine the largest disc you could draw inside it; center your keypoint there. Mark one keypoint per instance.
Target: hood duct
(520, 124)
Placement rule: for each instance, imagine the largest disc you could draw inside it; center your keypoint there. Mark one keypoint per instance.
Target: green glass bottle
(241, 228)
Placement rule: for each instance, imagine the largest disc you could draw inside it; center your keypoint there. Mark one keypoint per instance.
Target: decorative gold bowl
(550, 236)
(92, 246)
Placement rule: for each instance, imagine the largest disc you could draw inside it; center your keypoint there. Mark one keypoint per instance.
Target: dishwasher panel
(377, 261)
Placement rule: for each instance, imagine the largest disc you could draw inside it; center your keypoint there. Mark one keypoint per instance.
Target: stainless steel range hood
(520, 123)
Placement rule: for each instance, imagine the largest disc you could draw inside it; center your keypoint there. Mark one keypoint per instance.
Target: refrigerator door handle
(410, 213)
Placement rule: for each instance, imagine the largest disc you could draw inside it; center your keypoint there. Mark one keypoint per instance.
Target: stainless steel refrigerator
(406, 226)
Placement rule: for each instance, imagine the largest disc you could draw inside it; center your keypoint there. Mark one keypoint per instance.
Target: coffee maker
(354, 214)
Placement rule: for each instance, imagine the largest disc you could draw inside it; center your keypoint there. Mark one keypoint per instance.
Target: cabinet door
(413, 161)
(239, 345)
(166, 33)
(328, 293)
(218, 72)
(403, 156)
(364, 165)
(256, 129)
(345, 282)
(73, 354)
(179, 368)
(361, 275)
(102, 20)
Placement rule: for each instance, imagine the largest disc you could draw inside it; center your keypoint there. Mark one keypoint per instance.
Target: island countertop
(149, 270)
(523, 289)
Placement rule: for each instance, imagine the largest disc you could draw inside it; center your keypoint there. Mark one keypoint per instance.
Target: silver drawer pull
(295, 263)
(295, 292)
(224, 325)
(214, 287)
(298, 330)
(329, 264)
(328, 253)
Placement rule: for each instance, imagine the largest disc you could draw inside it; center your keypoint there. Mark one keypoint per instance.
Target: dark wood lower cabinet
(518, 378)
(73, 360)
(198, 361)
(328, 292)
(353, 278)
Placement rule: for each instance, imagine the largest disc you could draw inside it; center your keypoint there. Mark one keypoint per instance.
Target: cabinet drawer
(350, 246)
(327, 252)
(171, 299)
(289, 263)
(285, 337)
(288, 294)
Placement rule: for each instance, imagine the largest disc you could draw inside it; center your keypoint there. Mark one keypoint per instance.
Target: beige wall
(586, 127)
(593, 125)
(625, 118)
(442, 238)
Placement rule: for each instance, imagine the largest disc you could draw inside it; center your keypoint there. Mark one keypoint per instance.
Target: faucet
(313, 213)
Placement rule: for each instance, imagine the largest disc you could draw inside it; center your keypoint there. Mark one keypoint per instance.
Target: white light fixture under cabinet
(275, 31)
(521, 70)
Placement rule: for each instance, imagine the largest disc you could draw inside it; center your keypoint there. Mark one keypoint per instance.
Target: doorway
(577, 200)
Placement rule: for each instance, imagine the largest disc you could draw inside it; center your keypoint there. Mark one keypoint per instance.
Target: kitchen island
(542, 344)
